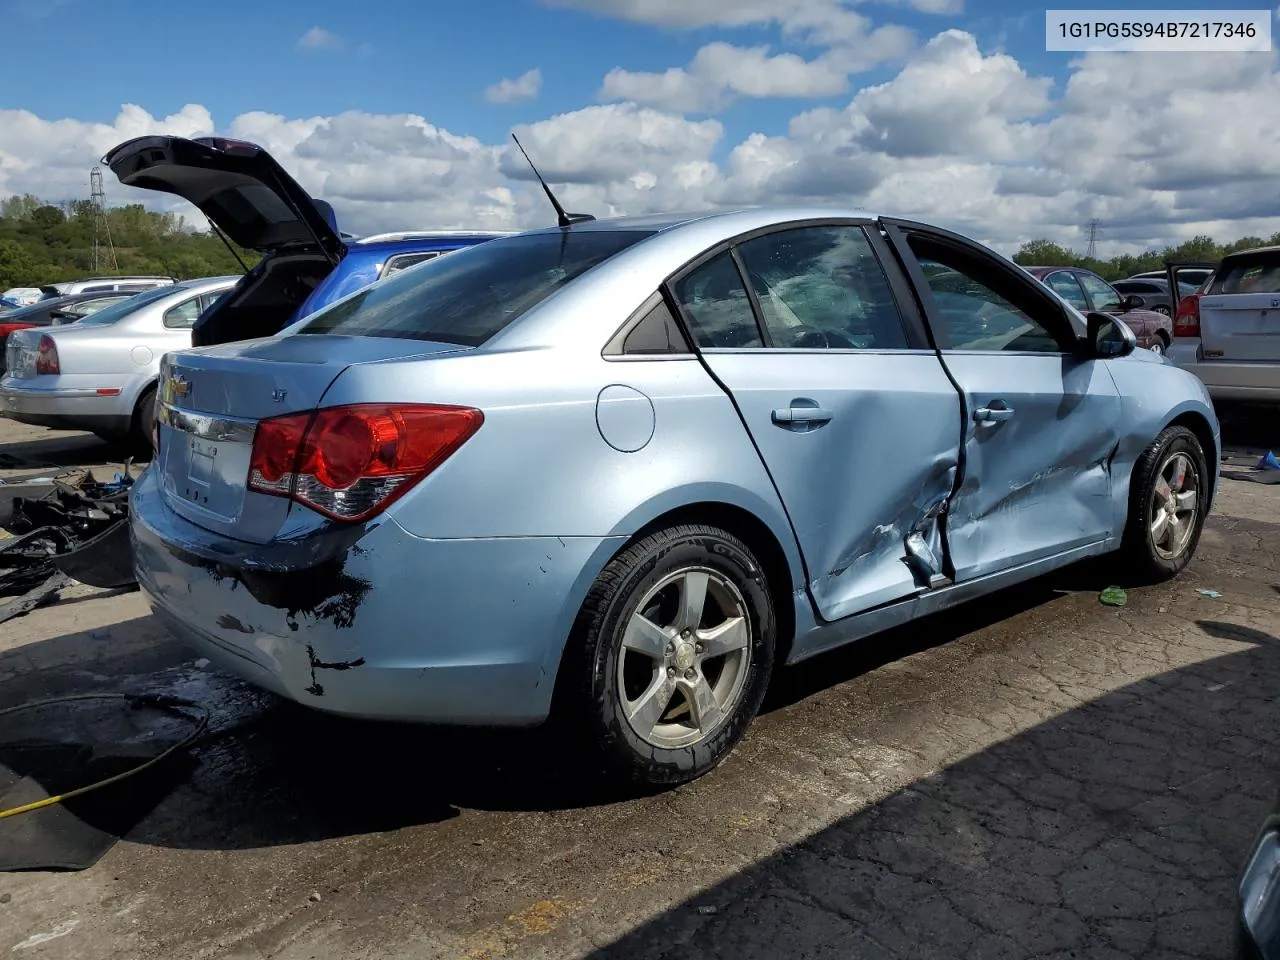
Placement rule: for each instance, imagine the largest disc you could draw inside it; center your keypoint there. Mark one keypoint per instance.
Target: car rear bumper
(1228, 380)
(64, 407)
(377, 625)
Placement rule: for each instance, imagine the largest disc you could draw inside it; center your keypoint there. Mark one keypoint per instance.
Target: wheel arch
(776, 551)
(1198, 424)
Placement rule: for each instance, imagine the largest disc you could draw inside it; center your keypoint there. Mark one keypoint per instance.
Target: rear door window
(471, 295)
(822, 287)
(183, 315)
(716, 305)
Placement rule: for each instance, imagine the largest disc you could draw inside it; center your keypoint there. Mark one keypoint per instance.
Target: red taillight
(352, 462)
(1187, 322)
(47, 356)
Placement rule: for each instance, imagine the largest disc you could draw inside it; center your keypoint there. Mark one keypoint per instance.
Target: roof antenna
(562, 218)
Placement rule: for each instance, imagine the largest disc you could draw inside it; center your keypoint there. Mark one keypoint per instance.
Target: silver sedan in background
(99, 374)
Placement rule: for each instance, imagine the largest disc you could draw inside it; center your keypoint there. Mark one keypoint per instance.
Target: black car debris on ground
(63, 528)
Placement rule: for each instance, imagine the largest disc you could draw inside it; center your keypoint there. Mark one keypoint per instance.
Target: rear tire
(1161, 345)
(671, 655)
(1167, 497)
(139, 439)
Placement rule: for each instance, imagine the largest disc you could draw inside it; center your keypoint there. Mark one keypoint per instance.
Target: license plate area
(205, 461)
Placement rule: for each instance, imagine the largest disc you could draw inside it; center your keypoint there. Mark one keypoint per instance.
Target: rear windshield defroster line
(468, 296)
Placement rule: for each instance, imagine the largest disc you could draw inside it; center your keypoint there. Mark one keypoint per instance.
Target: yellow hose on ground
(162, 702)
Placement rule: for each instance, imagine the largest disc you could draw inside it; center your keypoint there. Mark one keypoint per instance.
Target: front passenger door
(1041, 420)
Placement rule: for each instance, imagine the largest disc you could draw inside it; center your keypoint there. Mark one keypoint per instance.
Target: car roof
(200, 282)
(1252, 251)
(733, 221)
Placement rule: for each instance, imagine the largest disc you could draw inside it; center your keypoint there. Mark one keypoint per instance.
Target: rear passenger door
(813, 333)
(1042, 420)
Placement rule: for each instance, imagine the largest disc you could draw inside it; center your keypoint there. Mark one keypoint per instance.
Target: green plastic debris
(1211, 594)
(1114, 597)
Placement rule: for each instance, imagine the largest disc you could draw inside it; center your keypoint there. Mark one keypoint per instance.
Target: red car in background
(1087, 291)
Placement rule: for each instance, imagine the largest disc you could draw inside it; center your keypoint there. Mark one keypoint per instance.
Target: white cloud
(318, 38)
(819, 20)
(721, 72)
(1156, 150)
(524, 87)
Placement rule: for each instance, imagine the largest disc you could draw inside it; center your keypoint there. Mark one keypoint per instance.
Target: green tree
(1045, 253)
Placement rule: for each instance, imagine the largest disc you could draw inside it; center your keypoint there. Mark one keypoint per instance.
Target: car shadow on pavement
(263, 754)
(1251, 427)
(63, 452)
(1116, 829)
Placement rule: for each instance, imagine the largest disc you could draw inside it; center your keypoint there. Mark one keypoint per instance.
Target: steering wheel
(806, 337)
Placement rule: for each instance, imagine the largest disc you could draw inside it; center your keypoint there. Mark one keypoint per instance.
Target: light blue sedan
(620, 471)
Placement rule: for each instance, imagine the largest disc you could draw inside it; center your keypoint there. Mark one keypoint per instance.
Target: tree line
(41, 243)
(1045, 253)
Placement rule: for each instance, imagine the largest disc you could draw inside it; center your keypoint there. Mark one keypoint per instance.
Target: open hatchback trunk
(250, 198)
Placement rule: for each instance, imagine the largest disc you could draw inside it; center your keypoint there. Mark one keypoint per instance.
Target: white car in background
(1228, 332)
(99, 373)
(104, 285)
(24, 296)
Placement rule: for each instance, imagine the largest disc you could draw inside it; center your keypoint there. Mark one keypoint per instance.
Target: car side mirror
(1132, 302)
(1107, 337)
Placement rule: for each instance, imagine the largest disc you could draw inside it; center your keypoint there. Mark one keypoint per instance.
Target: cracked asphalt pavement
(1035, 775)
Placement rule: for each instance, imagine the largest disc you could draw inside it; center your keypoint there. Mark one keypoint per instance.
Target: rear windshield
(470, 295)
(123, 308)
(1258, 273)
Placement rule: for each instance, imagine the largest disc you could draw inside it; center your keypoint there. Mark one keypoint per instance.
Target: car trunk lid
(210, 403)
(236, 184)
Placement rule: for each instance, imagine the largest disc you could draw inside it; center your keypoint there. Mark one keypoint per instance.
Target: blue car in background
(372, 258)
(249, 198)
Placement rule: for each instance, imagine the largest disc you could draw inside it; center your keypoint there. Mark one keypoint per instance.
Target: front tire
(671, 655)
(1160, 346)
(1168, 498)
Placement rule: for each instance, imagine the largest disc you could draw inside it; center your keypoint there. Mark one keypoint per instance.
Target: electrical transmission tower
(1092, 252)
(101, 227)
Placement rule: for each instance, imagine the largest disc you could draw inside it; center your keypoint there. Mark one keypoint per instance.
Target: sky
(400, 113)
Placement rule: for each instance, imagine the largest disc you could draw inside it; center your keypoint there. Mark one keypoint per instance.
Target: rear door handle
(789, 415)
(993, 414)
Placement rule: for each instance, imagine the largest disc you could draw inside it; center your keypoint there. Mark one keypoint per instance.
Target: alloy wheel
(686, 653)
(1172, 513)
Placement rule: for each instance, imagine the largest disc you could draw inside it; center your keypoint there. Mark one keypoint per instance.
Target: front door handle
(994, 413)
(786, 416)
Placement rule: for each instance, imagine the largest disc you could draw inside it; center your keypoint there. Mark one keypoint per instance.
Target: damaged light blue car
(621, 470)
